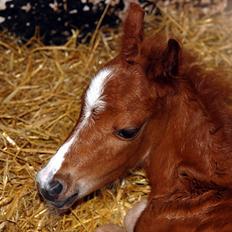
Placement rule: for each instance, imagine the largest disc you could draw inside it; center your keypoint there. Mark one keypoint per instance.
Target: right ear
(132, 33)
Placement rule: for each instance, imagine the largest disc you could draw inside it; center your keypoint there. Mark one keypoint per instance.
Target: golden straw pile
(40, 92)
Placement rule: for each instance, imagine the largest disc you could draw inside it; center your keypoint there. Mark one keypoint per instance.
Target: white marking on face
(46, 174)
(94, 99)
(94, 95)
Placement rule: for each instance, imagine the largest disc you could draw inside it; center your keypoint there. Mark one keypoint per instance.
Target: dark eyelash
(127, 133)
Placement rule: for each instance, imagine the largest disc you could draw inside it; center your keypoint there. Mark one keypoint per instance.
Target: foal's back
(211, 218)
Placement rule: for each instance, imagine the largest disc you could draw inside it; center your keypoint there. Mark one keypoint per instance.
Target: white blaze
(94, 99)
(46, 174)
(94, 95)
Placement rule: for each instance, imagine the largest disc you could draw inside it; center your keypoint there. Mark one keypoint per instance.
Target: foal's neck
(191, 148)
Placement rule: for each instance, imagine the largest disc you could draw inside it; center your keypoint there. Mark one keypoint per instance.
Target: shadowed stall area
(40, 96)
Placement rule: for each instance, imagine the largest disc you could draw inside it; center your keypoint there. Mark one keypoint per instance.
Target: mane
(213, 89)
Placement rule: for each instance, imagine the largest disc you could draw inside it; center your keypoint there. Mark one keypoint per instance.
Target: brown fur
(184, 143)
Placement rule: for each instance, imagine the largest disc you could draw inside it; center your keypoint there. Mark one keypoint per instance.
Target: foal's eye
(127, 133)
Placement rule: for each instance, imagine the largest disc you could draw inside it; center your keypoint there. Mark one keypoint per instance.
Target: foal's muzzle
(53, 193)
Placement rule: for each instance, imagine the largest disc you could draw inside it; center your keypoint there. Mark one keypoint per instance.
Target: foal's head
(120, 118)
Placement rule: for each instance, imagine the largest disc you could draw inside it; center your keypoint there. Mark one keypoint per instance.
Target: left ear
(171, 59)
(132, 33)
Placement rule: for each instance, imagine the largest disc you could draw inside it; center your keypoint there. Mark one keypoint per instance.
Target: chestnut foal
(154, 106)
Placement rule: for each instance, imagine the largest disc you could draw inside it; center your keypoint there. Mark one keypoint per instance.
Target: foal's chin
(66, 203)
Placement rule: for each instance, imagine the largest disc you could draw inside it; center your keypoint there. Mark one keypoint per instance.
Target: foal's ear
(171, 58)
(132, 32)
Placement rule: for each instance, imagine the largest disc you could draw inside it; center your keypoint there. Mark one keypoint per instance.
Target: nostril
(55, 188)
(51, 190)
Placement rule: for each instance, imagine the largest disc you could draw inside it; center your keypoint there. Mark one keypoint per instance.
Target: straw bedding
(40, 92)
